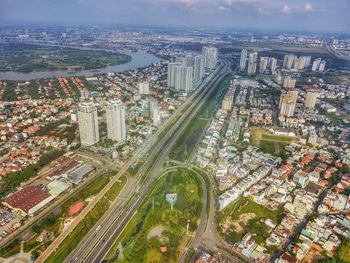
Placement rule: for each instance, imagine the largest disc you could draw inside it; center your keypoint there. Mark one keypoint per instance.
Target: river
(138, 60)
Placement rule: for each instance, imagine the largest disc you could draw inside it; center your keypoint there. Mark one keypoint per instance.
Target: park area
(157, 233)
(245, 216)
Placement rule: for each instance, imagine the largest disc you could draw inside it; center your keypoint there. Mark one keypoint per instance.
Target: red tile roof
(28, 197)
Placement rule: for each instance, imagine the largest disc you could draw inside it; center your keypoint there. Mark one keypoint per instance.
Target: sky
(296, 15)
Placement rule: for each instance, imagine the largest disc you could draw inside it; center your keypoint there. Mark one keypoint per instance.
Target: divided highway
(99, 240)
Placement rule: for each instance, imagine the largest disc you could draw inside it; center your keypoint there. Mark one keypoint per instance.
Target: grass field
(86, 224)
(245, 216)
(269, 143)
(137, 245)
(343, 252)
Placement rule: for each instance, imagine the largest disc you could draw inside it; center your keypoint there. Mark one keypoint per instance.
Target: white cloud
(185, 3)
(308, 8)
(236, 2)
(286, 9)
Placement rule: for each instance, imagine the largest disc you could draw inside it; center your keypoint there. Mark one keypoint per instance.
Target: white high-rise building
(190, 60)
(171, 73)
(288, 102)
(182, 60)
(156, 116)
(183, 78)
(263, 64)
(116, 127)
(273, 65)
(288, 61)
(199, 69)
(88, 124)
(210, 57)
(310, 99)
(143, 88)
(252, 63)
(322, 66)
(316, 64)
(299, 63)
(243, 60)
(307, 61)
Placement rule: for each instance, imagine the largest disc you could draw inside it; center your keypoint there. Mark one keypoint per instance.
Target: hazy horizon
(259, 15)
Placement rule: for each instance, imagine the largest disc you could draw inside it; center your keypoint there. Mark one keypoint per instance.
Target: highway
(138, 155)
(99, 240)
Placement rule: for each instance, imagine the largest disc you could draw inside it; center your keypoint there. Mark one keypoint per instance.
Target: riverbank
(139, 59)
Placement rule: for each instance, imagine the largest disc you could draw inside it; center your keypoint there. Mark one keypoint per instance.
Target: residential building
(288, 102)
(288, 61)
(310, 99)
(263, 64)
(316, 64)
(322, 66)
(210, 57)
(171, 73)
(243, 60)
(252, 63)
(116, 127)
(88, 124)
(198, 69)
(183, 78)
(143, 88)
(273, 65)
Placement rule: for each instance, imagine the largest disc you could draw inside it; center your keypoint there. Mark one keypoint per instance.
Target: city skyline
(297, 15)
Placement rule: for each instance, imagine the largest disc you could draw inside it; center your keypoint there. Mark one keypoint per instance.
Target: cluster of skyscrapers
(88, 122)
(294, 62)
(185, 70)
(249, 62)
(319, 65)
(289, 98)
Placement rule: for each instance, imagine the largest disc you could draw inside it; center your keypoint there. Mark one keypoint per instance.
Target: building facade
(210, 57)
(116, 126)
(88, 124)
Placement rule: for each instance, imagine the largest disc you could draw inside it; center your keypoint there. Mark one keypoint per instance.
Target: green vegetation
(248, 216)
(133, 169)
(53, 129)
(93, 188)
(28, 58)
(106, 143)
(31, 244)
(188, 140)
(269, 143)
(14, 179)
(10, 249)
(140, 241)
(342, 255)
(335, 102)
(278, 138)
(86, 224)
(274, 148)
(9, 92)
(50, 223)
(191, 135)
